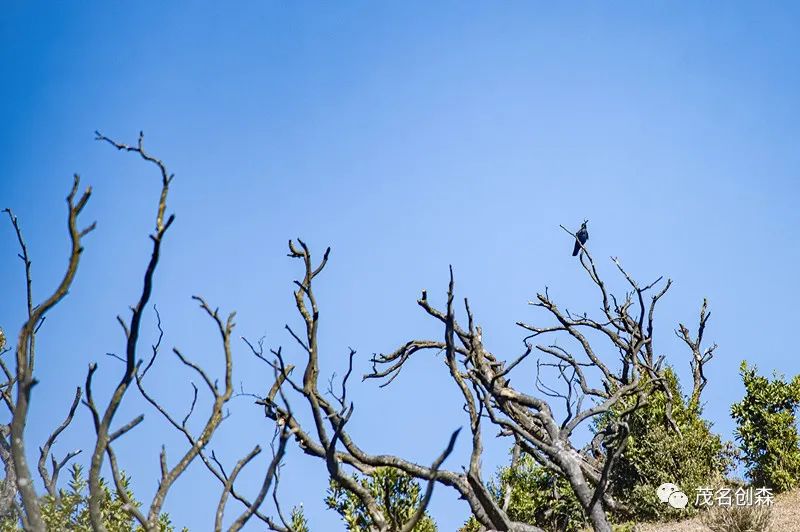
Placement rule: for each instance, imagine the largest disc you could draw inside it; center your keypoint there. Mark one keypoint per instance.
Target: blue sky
(407, 136)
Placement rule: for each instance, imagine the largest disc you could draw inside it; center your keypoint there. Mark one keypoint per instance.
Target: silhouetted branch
(426, 499)
(131, 330)
(626, 323)
(229, 484)
(50, 483)
(26, 352)
(328, 417)
(700, 356)
(269, 476)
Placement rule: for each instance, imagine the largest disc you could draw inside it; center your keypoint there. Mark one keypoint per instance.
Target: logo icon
(671, 494)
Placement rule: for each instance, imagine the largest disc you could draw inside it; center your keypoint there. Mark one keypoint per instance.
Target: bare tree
(330, 417)
(323, 411)
(12, 444)
(18, 482)
(134, 372)
(582, 386)
(590, 386)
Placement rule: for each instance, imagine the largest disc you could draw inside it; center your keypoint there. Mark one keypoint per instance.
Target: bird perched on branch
(580, 238)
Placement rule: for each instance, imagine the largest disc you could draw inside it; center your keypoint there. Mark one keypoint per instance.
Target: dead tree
(328, 438)
(133, 371)
(329, 419)
(590, 386)
(18, 486)
(330, 416)
(19, 480)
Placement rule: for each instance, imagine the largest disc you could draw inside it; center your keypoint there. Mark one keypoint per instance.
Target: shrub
(538, 497)
(766, 429)
(656, 454)
(397, 494)
(71, 510)
(738, 518)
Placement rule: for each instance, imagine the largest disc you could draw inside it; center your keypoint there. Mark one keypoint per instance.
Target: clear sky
(407, 136)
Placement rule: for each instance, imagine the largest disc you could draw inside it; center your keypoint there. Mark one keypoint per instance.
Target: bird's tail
(577, 248)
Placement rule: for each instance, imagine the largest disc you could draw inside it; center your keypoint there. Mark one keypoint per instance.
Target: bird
(580, 238)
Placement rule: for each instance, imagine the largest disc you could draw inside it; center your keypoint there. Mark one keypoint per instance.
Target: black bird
(580, 238)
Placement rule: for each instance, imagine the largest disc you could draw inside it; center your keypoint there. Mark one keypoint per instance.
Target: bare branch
(700, 356)
(627, 323)
(44, 451)
(25, 350)
(426, 499)
(271, 474)
(229, 484)
(132, 337)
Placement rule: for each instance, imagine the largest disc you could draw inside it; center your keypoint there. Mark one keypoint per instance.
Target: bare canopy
(575, 382)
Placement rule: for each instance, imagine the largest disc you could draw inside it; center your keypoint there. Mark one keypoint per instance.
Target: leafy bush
(766, 429)
(397, 494)
(656, 454)
(71, 510)
(538, 497)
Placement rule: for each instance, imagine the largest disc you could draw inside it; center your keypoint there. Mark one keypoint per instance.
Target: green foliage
(472, 525)
(656, 453)
(71, 510)
(298, 520)
(766, 429)
(397, 494)
(538, 497)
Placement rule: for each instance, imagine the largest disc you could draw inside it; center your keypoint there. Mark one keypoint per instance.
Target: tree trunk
(585, 493)
(598, 518)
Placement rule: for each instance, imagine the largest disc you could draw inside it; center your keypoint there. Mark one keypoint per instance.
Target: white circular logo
(665, 490)
(678, 500)
(671, 494)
